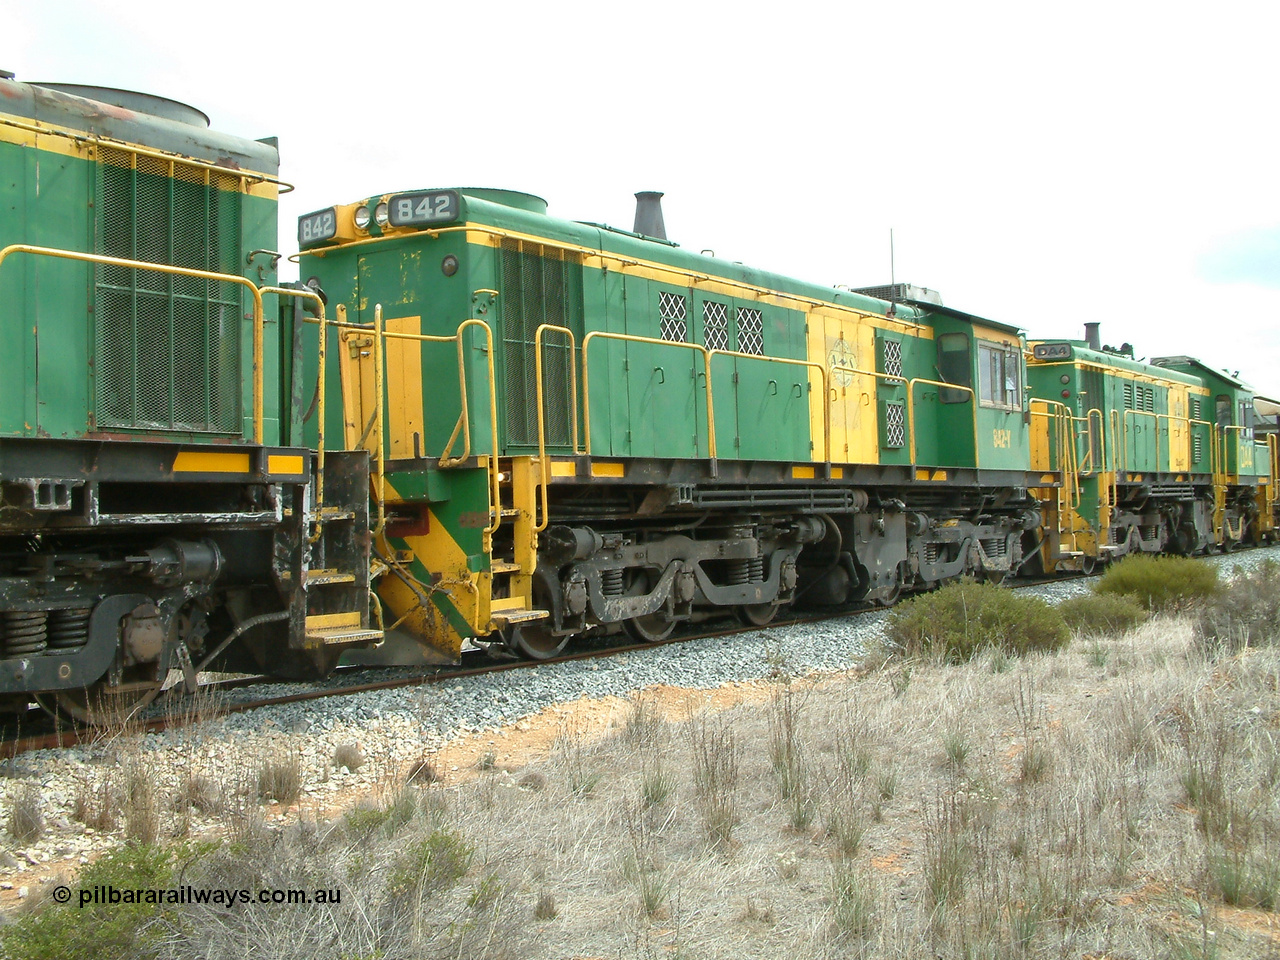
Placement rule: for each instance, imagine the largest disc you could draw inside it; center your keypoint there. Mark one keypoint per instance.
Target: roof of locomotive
(1081, 352)
(136, 118)
(1206, 371)
(526, 214)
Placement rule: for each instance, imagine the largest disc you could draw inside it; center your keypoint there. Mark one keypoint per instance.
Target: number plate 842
(414, 209)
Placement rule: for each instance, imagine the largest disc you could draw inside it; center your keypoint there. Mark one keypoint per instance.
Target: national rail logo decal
(843, 362)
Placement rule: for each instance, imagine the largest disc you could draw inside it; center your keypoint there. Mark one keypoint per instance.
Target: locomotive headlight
(362, 217)
(380, 213)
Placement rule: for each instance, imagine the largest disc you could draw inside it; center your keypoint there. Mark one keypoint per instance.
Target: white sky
(1040, 164)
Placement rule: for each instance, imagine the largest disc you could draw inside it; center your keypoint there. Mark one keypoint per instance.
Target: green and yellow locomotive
(1144, 457)
(156, 501)
(578, 428)
(519, 429)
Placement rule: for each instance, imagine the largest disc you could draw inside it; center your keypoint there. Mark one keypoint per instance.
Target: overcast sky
(1039, 164)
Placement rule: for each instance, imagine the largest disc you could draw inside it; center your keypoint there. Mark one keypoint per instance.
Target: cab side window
(954, 366)
(1223, 410)
(999, 376)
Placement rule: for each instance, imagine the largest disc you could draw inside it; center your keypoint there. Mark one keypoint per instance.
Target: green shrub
(963, 619)
(1245, 612)
(1160, 583)
(103, 931)
(433, 864)
(1102, 614)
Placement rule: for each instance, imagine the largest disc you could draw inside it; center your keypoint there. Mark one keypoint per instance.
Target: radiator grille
(539, 285)
(1197, 448)
(166, 348)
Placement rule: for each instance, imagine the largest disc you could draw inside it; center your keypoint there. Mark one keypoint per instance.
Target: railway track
(176, 709)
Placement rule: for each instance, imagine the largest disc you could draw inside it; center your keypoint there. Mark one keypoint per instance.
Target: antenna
(893, 285)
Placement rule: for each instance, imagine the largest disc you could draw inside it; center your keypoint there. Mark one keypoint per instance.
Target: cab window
(954, 366)
(999, 376)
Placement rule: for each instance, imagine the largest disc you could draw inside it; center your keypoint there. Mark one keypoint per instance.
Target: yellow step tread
(518, 616)
(502, 566)
(329, 575)
(327, 635)
(326, 621)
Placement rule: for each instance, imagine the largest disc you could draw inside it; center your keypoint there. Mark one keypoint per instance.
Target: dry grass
(25, 821)
(1115, 799)
(280, 776)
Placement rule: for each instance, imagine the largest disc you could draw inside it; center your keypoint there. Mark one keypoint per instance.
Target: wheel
(534, 641)
(101, 705)
(756, 614)
(652, 628)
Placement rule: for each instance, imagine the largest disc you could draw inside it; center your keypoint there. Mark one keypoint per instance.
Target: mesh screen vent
(715, 325)
(893, 358)
(166, 348)
(539, 285)
(672, 310)
(895, 425)
(750, 331)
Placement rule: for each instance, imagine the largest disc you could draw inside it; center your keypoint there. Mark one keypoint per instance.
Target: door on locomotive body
(1177, 431)
(771, 399)
(1140, 399)
(1003, 435)
(946, 415)
(662, 381)
(844, 342)
(392, 277)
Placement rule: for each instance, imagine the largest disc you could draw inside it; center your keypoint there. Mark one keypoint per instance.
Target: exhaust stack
(649, 215)
(1091, 336)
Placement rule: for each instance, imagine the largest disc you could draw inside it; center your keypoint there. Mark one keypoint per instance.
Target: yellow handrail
(911, 411)
(463, 426)
(586, 387)
(177, 271)
(1063, 422)
(308, 294)
(543, 466)
(379, 350)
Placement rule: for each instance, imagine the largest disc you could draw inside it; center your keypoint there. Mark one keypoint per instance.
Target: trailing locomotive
(518, 429)
(156, 503)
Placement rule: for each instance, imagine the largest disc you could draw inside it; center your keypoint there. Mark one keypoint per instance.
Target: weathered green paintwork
(48, 198)
(1230, 406)
(646, 399)
(1133, 438)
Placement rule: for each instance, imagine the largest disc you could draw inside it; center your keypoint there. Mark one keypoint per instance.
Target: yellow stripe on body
(802, 473)
(608, 469)
(192, 461)
(66, 142)
(564, 468)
